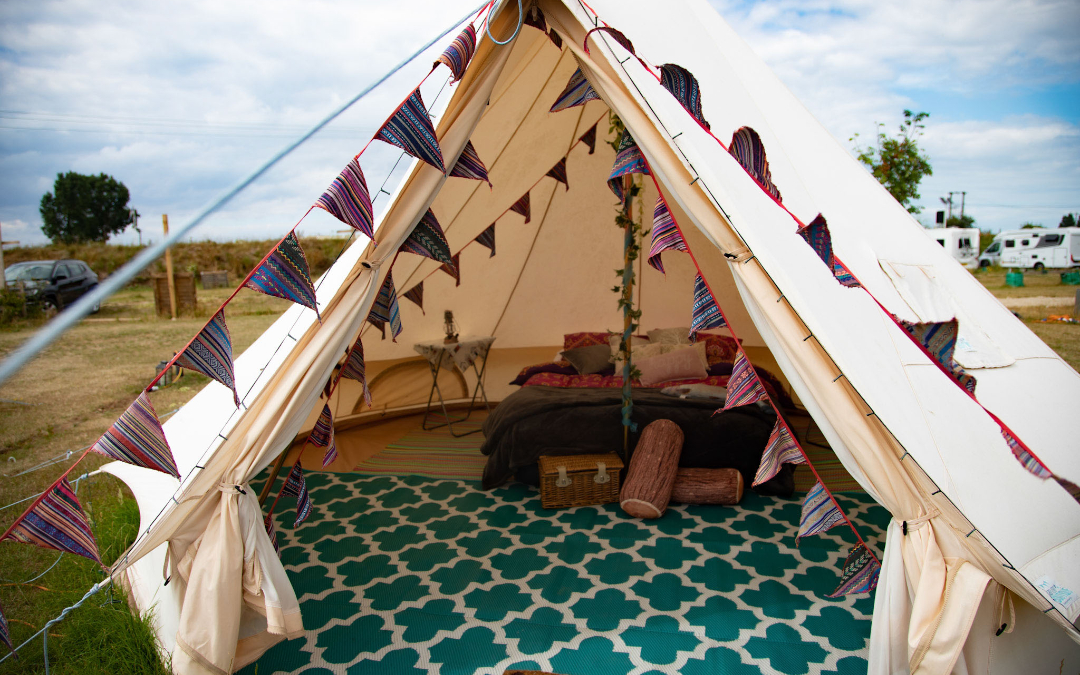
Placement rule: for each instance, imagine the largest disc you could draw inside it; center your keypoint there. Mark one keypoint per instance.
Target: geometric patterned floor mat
(407, 575)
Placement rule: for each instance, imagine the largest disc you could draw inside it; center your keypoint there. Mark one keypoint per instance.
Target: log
(707, 486)
(647, 489)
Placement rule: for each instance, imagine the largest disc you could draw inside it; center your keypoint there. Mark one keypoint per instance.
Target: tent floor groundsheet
(408, 574)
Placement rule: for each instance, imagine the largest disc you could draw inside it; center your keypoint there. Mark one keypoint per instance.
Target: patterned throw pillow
(575, 340)
(718, 348)
(670, 336)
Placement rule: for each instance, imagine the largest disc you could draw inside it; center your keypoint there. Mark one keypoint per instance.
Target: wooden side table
(464, 354)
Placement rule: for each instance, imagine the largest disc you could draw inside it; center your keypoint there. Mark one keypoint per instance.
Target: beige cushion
(670, 336)
(681, 364)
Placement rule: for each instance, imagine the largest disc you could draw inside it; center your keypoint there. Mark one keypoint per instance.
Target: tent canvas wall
(977, 522)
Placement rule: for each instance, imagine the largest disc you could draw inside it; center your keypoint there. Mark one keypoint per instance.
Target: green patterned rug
(409, 576)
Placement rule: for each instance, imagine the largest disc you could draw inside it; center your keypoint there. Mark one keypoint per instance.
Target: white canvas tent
(977, 522)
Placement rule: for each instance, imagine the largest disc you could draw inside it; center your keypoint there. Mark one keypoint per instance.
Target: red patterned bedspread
(607, 381)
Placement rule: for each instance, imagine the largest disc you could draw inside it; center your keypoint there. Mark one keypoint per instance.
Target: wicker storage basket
(579, 480)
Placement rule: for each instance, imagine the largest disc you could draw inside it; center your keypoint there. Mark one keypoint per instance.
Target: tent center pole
(628, 300)
(273, 475)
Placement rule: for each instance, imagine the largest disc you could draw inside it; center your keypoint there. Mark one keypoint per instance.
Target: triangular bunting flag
(589, 139)
(410, 129)
(427, 239)
(554, 37)
(665, 235)
(1024, 456)
(616, 35)
(137, 438)
(460, 52)
(706, 313)
(577, 92)
(860, 573)
(684, 87)
(416, 294)
(348, 200)
(322, 436)
(558, 172)
(535, 18)
(747, 148)
(386, 309)
(469, 165)
(379, 325)
(1072, 488)
(744, 387)
(295, 486)
(817, 235)
(210, 353)
(627, 161)
(939, 340)
(56, 520)
(781, 449)
(844, 275)
(284, 274)
(453, 268)
(271, 531)
(522, 206)
(5, 632)
(354, 368)
(819, 512)
(487, 238)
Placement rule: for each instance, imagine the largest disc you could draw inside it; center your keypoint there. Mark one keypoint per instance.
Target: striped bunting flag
(453, 269)
(558, 172)
(589, 139)
(271, 531)
(469, 165)
(427, 239)
(744, 387)
(628, 160)
(379, 325)
(819, 512)
(844, 275)
(522, 206)
(684, 87)
(56, 520)
(137, 438)
(385, 310)
(535, 17)
(616, 35)
(460, 52)
(706, 313)
(860, 573)
(665, 235)
(210, 353)
(416, 294)
(817, 235)
(577, 92)
(487, 238)
(1072, 488)
(939, 340)
(5, 632)
(354, 368)
(410, 129)
(295, 486)
(322, 436)
(554, 37)
(348, 200)
(747, 148)
(1024, 456)
(781, 449)
(284, 274)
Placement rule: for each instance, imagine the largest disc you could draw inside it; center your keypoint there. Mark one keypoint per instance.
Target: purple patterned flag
(416, 294)
(706, 313)
(817, 235)
(577, 92)
(522, 206)
(410, 129)
(210, 353)
(385, 309)
(427, 239)
(322, 436)
(295, 486)
(844, 275)
(460, 52)
(939, 340)
(684, 87)
(271, 531)
(137, 438)
(628, 160)
(589, 139)
(665, 235)
(1023, 455)
(284, 274)
(56, 520)
(558, 172)
(819, 512)
(453, 268)
(744, 387)
(469, 165)
(354, 368)
(781, 449)
(747, 148)
(5, 632)
(487, 238)
(860, 573)
(348, 200)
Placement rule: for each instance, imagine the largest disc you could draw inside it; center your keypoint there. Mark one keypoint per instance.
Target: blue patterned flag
(577, 92)
(5, 632)
(487, 238)
(747, 148)
(284, 274)
(781, 449)
(322, 435)
(354, 368)
(860, 573)
(348, 200)
(416, 294)
(523, 207)
(410, 129)
(744, 386)
(453, 268)
(210, 353)
(685, 88)
(295, 486)
(385, 310)
(460, 52)
(558, 172)
(469, 165)
(706, 313)
(137, 438)
(820, 239)
(628, 160)
(589, 139)
(56, 520)
(938, 338)
(427, 239)
(819, 512)
(665, 237)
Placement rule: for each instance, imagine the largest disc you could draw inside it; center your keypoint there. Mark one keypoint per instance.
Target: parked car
(52, 284)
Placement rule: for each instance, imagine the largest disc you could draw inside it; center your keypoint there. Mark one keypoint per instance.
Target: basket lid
(549, 463)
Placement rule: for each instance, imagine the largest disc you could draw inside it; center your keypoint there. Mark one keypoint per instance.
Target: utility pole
(948, 203)
(169, 270)
(963, 196)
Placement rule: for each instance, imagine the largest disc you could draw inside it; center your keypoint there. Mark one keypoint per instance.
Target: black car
(52, 284)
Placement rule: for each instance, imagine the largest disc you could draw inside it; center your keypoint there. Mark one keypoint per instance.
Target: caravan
(1052, 250)
(1007, 245)
(961, 243)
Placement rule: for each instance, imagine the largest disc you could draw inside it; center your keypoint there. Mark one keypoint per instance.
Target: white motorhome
(1055, 249)
(1006, 247)
(961, 243)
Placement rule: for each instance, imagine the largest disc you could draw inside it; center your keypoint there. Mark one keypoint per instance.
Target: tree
(84, 208)
(960, 221)
(897, 162)
(1030, 226)
(1068, 220)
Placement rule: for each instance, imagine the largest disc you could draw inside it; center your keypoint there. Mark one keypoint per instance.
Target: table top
(462, 353)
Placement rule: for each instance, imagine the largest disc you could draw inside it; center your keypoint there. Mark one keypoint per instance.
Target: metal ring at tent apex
(521, 18)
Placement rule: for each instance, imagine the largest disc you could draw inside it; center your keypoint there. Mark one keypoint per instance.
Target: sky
(179, 101)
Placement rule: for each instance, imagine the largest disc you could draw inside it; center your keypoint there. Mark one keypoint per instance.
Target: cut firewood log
(707, 486)
(647, 489)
